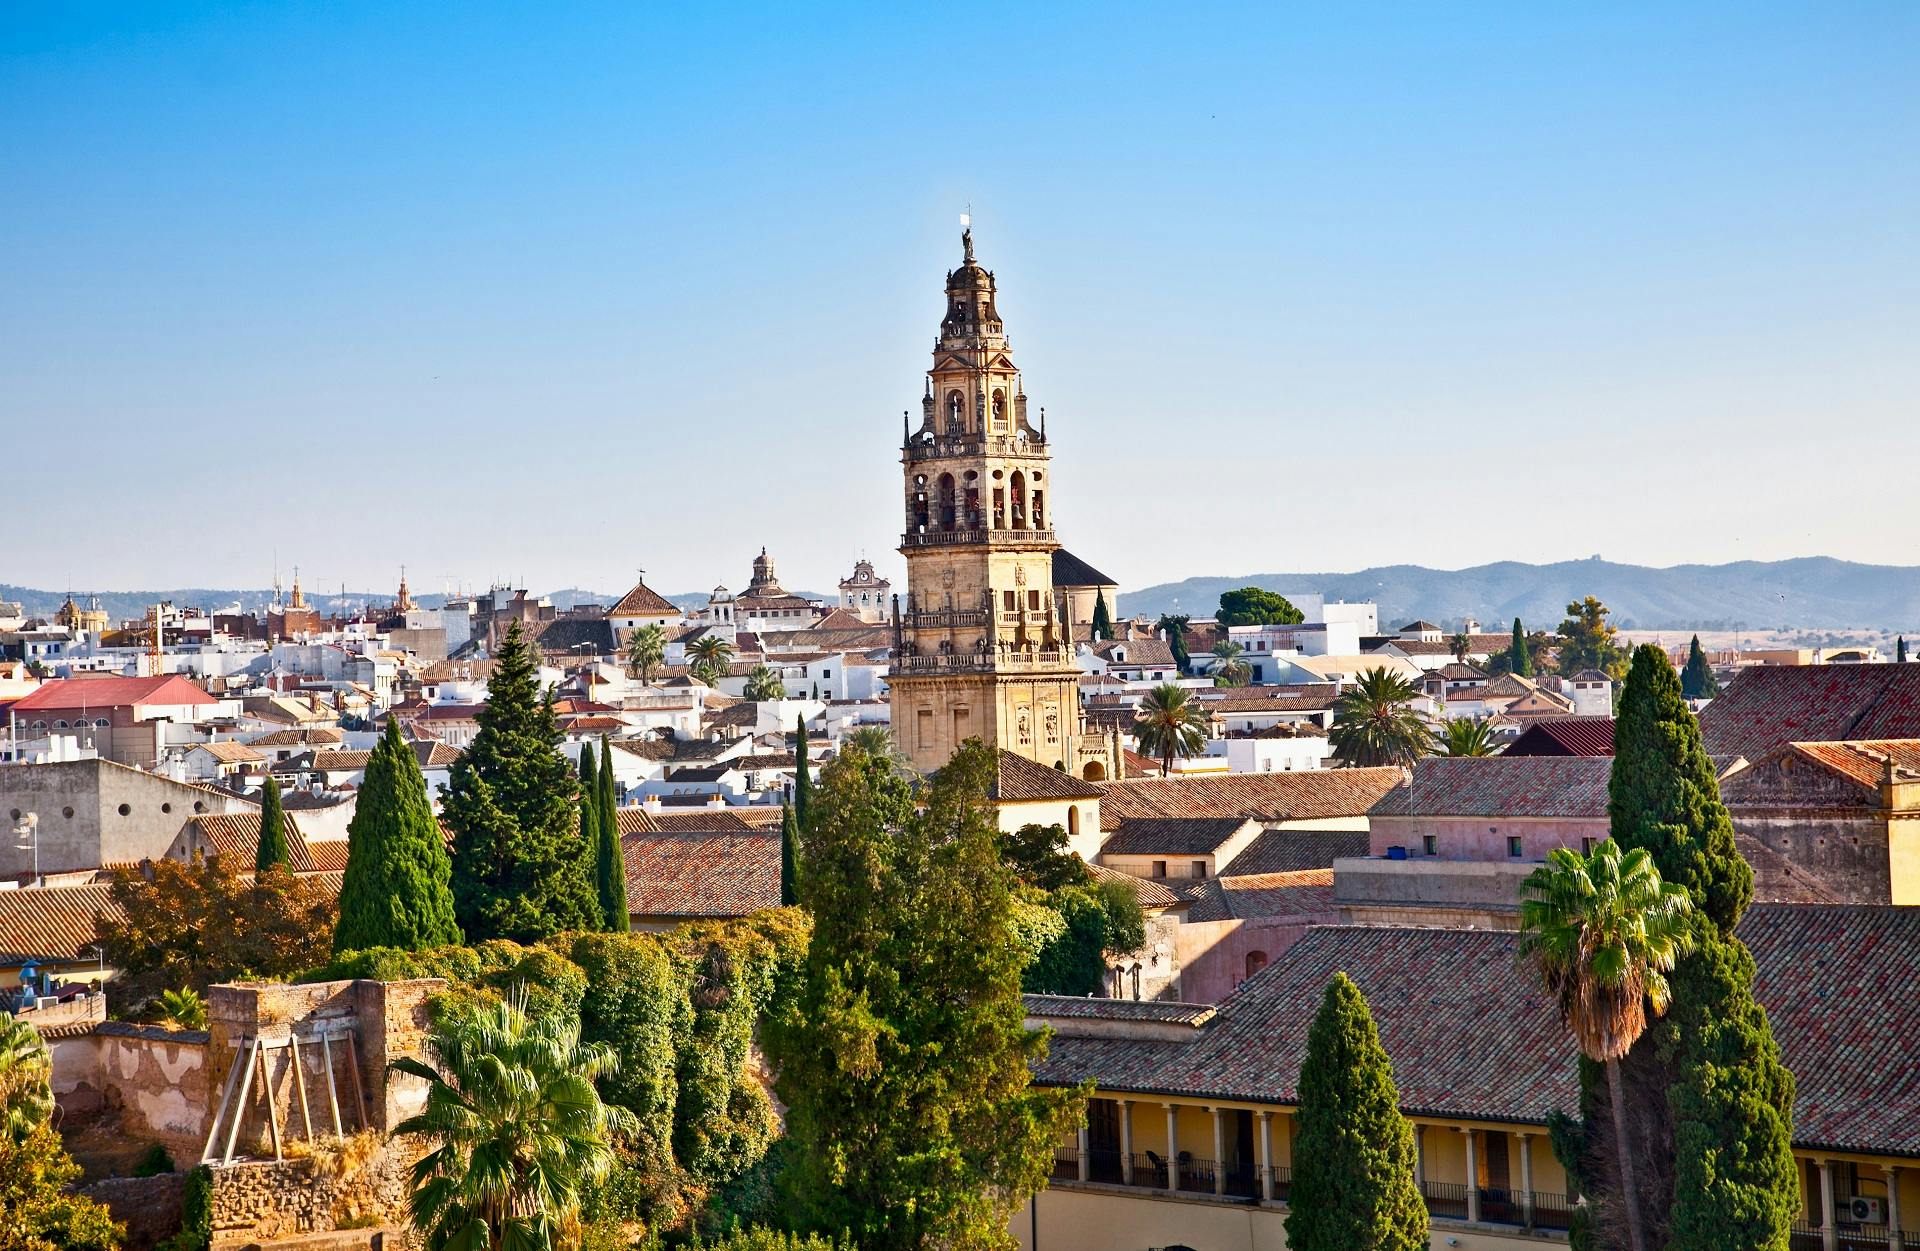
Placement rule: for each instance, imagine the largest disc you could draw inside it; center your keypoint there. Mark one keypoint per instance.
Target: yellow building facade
(982, 644)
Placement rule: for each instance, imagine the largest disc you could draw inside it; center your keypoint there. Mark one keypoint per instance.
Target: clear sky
(547, 292)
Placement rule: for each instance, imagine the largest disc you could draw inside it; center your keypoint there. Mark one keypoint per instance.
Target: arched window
(1018, 483)
(917, 505)
(999, 409)
(973, 519)
(1256, 960)
(956, 412)
(1094, 772)
(1073, 823)
(946, 502)
(999, 509)
(1039, 510)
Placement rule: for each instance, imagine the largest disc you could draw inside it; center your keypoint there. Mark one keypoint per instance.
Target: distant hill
(129, 605)
(1815, 592)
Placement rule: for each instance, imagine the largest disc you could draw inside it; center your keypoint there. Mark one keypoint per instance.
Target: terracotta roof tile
(1306, 893)
(1564, 736)
(644, 601)
(1171, 836)
(674, 874)
(1314, 794)
(1152, 893)
(68, 693)
(52, 922)
(1021, 779)
(1286, 851)
(1768, 706)
(1502, 786)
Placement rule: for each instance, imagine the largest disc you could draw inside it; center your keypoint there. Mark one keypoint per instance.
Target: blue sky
(544, 293)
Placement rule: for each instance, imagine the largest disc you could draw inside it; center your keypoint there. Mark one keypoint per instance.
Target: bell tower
(981, 643)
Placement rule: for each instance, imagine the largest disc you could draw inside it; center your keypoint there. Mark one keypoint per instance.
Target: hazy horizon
(549, 295)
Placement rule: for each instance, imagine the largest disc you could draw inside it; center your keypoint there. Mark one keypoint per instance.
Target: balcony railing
(985, 662)
(1805, 1236)
(945, 619)
(943, 538)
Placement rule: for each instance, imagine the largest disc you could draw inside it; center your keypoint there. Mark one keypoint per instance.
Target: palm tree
(646, 652)
(1170, 722)
(1461, 645)
(1374, 722)
(1465, 736)
(520, 1128)
(1604, 930)
(1226, 666)
(184, 1008)
(710, 655)
(877, 742)
(764, 683)
(26, 1078)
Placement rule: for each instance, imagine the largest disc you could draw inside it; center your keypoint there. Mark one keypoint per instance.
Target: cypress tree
(1102, 619)
(1900, 650)
(272, 849)
(802, 775)
(1519, 658)
(789, 861)
(397, 888)
(1353, 1157)
(1697, 680)
(520, 869)
(589, 812)
(1710, 1104)
(609, 867)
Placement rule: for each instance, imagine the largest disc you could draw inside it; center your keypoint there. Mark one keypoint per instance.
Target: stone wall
(155, 1080)
(149, 1206)
(361, 1182)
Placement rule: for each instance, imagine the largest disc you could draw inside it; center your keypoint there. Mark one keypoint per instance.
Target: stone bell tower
(981, 642)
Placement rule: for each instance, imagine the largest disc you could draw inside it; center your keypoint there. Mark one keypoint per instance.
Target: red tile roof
(701, 874)
(1152, 894)
(53, 922)
(1768, 706)
(1314, 794)
(1286, 851)
(1865, 762)
(68, 693)
(1564, 736)
(1306, 893)
(643, 601)
(1501, 786)
(236, 836)
(1021, 779)
(1171, 836)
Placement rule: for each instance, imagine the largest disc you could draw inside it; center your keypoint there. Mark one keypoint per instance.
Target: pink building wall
(1484, 838)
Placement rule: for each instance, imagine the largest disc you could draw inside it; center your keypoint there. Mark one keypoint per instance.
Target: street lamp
(26, 833)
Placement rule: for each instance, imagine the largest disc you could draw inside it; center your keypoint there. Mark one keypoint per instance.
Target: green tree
(184, 1008)
(26, 1078)
(610, 864)
(1097, 919)
(1039, 856)
(1353, 1154)
(709, 657)
(1227, 667)
(1170, 722)
(1697, 680)
(646, 652)
(1589, 641)
(271, 849)
(1519, 655)
(1252, 605)
(1709, 1104)
(1459, 644)
(903, 1057)
(518, 1126)
(763, 684)
(1174, 626)
(1375, 723)
(1465, 736)
(520, 869)
(1102, 619)
(397, 890)
(1604, 931)
(1900, 650)
(38, 1211)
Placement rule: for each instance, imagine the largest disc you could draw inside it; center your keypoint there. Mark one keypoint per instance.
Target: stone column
(1266, 1157)
(1526, 1180)
(1086, 1153)
(1829, 1222)
(1126, 1141)
(1173, 1146)
(1420, 1159)
(1894, 1231)
(1473, 1174)
(1219, 1151)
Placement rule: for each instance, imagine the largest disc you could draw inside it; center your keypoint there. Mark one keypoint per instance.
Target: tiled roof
(1021, 779)
(316, 736)
(1502, 786)
(1303, 893)
(1139, 766)
(338, 761)
(643, 601)
(1247, 700)
(1866, 761)
(236, 836)
(1468, 1033)
(1076, 1008)
(66, 693)
(647, 748)
(1070, 570)
(1457, 672)
(758, 816)
(1309, 795)
(1155, 652)
(228, 752)
(706, 820)
(457, 671)
(1767, 706)
(1171, 836)
(1152, 894)
(671, 874)
(766, 760)
(1285, 851)
(702, 772)
(52, 922)
(1834, 982)
(1564, 736)
(329, 855)
(631, 820)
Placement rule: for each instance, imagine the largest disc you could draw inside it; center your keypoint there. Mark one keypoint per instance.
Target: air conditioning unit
(1866, 1210)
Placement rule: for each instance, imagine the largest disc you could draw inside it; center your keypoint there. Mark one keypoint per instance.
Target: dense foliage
(196, 924)
(271, 849)
(1039, 856)
(1588, 640)
(903, 1057)
(1708, 1103)
(37, 1212)
(646, 652)
(520, 870)
(1252, 605)
(1519, 655)
(1095, 920)
(397, 890)
(1174, 626)
(1465, 736)
(1375, 722)
(1353, 1153)
(196, 1213)
(1228, 666)
(764, 684)
(26, 1077)
(610, 865)
(1102, 619)
(1697, 680)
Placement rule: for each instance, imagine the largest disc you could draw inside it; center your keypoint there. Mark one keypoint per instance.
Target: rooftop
(1768, 706)
(701, 874)
(1308, 795)
(1502, 786)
